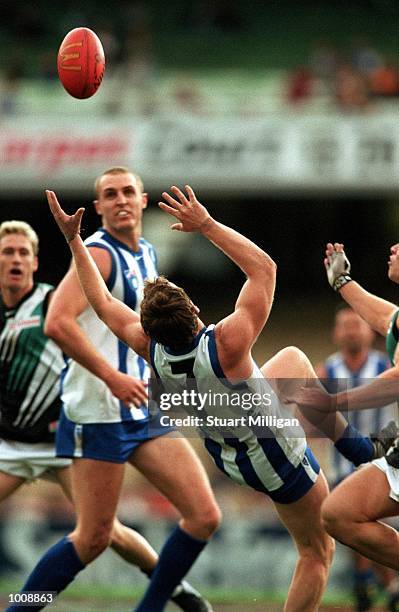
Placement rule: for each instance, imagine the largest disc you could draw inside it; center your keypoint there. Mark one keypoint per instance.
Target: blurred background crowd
(204, 56)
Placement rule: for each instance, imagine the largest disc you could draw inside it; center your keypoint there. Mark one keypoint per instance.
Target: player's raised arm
(124, 322)
(373, 309)
(256, 297)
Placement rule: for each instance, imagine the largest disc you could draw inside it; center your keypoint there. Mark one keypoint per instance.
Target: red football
(81, 63)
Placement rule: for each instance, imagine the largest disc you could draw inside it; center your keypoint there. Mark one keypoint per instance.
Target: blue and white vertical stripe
(275, 462)
(340, 376)
(86, 398)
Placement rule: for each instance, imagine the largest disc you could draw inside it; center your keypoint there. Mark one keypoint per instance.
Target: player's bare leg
(171, 465)
(95, 515)
(294, 369)
(8, 484)
(135, 549)
(352, 512)
(126, 542)
(315, 548)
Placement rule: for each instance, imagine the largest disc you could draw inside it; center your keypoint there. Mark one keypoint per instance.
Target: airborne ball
(81, 63)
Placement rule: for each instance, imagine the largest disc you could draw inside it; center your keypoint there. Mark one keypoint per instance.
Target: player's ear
(35, 263)
(96, 206)
(144, 200)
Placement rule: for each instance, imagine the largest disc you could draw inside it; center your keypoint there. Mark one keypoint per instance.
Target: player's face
(393, 264)
(120, 202)
(351, 333)
(17, 263)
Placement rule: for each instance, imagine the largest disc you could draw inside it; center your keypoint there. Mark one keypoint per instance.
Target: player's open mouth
(15, 272)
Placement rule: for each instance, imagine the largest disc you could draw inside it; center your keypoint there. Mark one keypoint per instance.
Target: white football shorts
(30, 461)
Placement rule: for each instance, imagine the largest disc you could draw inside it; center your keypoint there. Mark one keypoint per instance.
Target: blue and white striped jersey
(340, 376)
(264, 457)
(86, 398)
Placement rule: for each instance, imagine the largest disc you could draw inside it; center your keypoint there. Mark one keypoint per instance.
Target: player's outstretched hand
(337, 265)
(68, 224)
(313, 398)
(192, 216)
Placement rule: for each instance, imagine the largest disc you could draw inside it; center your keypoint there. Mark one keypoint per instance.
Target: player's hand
(313, 398)
(337, 265)
(192, 215)
(68, 224)
(131, 391)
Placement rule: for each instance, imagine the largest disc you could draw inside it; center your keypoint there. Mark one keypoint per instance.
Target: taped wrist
(340, 281)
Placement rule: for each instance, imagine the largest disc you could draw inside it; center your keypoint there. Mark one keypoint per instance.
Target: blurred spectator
(365, 58)
(384, 81)
(351, 90)
(323, 61)
(186, 97)
(300, 85)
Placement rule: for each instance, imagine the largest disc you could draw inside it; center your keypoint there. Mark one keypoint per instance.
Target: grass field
(91, 599)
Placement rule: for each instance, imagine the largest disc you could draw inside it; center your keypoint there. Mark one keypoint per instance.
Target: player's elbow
(55, 327)
(267, 266)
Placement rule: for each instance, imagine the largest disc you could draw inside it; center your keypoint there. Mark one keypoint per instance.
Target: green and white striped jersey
(30, 368)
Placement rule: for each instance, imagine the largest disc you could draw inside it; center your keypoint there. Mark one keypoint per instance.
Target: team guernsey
(340, 377)
(86, 398)
(30, 371)
(253, 450)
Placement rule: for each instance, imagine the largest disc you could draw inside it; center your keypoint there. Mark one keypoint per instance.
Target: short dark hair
(167, 314)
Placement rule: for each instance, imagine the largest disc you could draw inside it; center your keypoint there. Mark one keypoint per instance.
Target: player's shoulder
(43, 289)
(97, 238)
(143, 242)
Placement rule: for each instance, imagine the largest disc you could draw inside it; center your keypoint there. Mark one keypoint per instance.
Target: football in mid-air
(81, 63)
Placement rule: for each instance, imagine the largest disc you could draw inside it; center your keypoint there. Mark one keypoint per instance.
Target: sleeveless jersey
(392, 338)
(86, 398)
(259, 456)
(31, 365)
(339, 376)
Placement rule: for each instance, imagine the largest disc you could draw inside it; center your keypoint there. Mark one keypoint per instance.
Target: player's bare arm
(381, 391)
(255, 300)
(61, 319)
(376, 311)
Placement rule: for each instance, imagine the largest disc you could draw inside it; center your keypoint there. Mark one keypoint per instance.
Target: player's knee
(116, 537)
(295, 360)
(211, 519)
(320, 552)
(91, 545)
(333, 520)
(329, 550)
(206, 521)
(95, 547)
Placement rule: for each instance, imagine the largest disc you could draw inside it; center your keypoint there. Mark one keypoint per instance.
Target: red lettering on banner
(54, 154)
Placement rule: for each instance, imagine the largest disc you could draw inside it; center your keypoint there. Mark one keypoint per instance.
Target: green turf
(131, 593)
